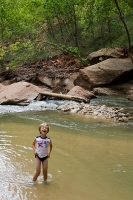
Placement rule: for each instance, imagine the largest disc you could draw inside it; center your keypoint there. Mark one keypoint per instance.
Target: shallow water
(91, 159)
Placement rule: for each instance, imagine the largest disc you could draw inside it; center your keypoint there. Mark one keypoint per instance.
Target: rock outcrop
(110, 71)
(21, 93)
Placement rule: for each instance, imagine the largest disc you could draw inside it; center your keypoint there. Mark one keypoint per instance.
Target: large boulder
(106, 53)
(110, 71)
(2, 87)
(21, 93)
(81, 92)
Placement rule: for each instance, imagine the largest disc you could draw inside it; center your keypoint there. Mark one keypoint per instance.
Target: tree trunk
(65, 97)
(126, 29)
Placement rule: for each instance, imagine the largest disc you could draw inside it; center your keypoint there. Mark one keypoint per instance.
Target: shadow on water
(91, 158)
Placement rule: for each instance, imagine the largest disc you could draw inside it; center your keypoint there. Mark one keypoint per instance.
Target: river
(92, 158)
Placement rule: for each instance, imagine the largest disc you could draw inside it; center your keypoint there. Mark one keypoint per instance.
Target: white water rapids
(113, 101)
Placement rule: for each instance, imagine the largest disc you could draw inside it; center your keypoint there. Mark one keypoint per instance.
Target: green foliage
(17, 53)
(33, 29)
(74, 50)
(101, 59)
(3, 51)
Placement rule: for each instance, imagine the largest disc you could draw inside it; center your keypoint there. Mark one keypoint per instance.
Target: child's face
(44, 130)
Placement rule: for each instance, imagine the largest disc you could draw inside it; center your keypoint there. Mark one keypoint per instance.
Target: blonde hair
(43, 124)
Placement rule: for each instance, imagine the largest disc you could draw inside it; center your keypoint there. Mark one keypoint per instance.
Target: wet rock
(70, 107)
(120, 114)
(123, 119)
(130, 118)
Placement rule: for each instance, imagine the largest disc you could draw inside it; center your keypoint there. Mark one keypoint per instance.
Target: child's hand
(48, 155)
(35, 153)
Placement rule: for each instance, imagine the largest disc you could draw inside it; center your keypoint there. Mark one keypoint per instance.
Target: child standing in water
(42, 147)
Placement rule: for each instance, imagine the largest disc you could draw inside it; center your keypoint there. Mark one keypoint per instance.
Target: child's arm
(34, 147)
(50, 148)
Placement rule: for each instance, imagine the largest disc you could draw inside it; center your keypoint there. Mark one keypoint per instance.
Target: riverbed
(92, 158)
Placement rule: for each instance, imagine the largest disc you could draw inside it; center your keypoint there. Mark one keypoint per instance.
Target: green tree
(35, 27)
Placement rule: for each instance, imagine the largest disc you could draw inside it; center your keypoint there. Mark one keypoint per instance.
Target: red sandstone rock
(21, 93)
(80, 92)
(111, 71)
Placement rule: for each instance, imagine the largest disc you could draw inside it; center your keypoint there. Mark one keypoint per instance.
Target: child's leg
(45, 169)
(38, 168)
